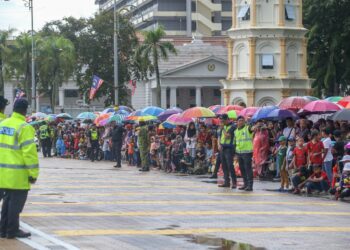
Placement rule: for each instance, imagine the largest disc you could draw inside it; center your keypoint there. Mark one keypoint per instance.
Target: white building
(267, 52)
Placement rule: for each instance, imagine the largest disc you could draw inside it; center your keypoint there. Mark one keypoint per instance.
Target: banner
(96, 84)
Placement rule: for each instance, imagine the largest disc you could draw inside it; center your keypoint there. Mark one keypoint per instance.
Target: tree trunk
(158, 91)
(2, 83)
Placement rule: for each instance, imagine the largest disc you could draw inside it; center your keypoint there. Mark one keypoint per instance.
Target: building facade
(178, 17)
(267, 53)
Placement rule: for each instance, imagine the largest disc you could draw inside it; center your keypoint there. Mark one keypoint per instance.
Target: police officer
(3, 103)
(227, 151)
(19, 167)
(117, 140)
(93, 135)
(45, 140)
(144, 144)
(244, 149)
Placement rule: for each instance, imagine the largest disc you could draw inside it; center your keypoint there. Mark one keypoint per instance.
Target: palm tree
(56, 59)
(4, 55)
(154, 48)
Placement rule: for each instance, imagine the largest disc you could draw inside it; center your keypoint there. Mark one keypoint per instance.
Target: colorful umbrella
(282, 114)
(341, 115)
(262, 113)
(50, 118)
(102, 117)
(198, 112)
(334, 99)
(64, 116)
(86, 115)
(108, 110)
(345, 101)
(250, 111)
(232, 114)
(39, 115)
(167, 113)
(178, 119)
(225, 109)
(293, 103)
(152, 110)
(116, 118)
(216, 108)
(166, 125)
(320, 107)
(122, 112)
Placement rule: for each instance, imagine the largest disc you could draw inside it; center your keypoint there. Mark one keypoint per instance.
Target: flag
(96, 84)
(19, 94)
(132, 84)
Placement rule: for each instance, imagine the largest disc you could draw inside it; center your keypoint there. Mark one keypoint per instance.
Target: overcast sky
(13, 13)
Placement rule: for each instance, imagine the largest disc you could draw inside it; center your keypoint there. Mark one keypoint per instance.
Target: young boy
(315, 150)
(281, 155)
(318, 180)
(185, 162)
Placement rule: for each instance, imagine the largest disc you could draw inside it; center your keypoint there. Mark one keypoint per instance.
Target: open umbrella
(311, 98)
(334, 99)
(198, 112)
(50, 118)
(167, 113)
(116, 118)
(39, 115)
(102, 117)
(341, 115)
(166, 125)
(250, 111)
(65, 116)
(345, 101)
(86, 115)
(178, 119)
(215, 108)
(281, 114)
(293, 103)
(263, 112)
(152, 110)
(232, 114)
(320, 107)
(225, 109)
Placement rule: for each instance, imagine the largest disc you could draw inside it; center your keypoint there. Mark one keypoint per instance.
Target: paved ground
(84, 205)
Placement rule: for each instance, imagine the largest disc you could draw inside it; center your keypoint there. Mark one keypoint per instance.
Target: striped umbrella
(198, 112)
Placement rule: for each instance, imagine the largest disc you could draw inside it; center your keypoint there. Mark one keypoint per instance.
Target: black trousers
(227, 165)
(46, 147)
(1, 194)
(94, 150)
(117, 149)
(12, 206)
(245, 165)
(217, 163)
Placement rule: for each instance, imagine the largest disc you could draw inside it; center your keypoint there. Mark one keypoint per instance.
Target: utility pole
(115, 43)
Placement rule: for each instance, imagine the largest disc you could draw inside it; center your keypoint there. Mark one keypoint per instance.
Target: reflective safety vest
(44, 133)
(243, 140)
(18, 154)
(226, 142)
(94, 134)
(2, 117)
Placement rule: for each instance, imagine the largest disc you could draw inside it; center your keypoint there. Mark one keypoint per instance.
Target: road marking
(113, 181)
(202, 231)
(183, 213)
(205, 202)
(116, 186)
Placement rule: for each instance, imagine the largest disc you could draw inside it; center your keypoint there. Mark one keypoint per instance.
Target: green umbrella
(232, 114)
(334, 99)
(116, 118)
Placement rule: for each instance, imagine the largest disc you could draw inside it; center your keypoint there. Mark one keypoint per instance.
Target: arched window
(267, 101)
(242, 60)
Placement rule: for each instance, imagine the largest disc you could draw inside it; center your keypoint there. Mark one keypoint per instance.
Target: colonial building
(267, 52)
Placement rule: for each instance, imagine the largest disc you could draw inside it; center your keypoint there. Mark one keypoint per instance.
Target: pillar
(281, 13)
(189, 18)
(253, 13)
(198, 96)
(283, 66)
(173, 97)
(163, 99)
(61, 97)
(303, 65)
(285, 93)
(250, 98)
(300, 14)
(230, 59)
(234, 14)
(226, 94)
(252, 57)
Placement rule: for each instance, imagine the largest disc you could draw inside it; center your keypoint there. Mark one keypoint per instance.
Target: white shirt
(289, 132)
(327, 143)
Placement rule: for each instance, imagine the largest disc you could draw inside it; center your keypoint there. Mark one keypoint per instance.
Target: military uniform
(144, 143)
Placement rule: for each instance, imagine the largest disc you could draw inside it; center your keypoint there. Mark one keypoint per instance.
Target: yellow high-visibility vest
(2, 117)
(228, 142)
(18, 154)
(243, 140)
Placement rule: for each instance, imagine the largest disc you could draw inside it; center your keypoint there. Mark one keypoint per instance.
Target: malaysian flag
(96, 84)
(19, 94)
(132, 84)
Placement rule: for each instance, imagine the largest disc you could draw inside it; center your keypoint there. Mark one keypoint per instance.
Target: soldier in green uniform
(144, 144)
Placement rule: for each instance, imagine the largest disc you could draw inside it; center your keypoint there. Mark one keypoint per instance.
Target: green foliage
(154, 49)
(328, 22)
(5, 55)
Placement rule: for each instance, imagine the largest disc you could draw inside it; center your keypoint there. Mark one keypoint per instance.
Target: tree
(328, 22)
(155, 49)
(4, 56)
(56, 59)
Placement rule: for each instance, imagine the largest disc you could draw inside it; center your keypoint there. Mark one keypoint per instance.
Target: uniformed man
(243, 142)
(19, 167)
(3, 103)
(45, 140)
(144, 144)
(93, 136)
(118, 135)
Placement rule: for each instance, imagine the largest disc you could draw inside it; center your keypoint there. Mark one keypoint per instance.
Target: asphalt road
(83, 205)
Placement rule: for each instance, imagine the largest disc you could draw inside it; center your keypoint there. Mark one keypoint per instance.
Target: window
(290, 12)
(71, 93)
(244, 13)
(267, 61)
(217, 93)
(192, 92)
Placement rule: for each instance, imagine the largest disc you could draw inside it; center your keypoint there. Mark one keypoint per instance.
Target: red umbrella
(250, 111)
(345, 101)
(293, 103)
(228, 108)
(321, 106)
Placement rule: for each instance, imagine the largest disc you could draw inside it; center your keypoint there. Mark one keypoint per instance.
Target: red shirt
(315, 148)
(300, 156)
(320, 174)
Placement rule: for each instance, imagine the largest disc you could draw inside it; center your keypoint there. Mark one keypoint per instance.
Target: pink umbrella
(228, 108)
(177, 119)
(320, 107)
(250, 111)
(293, 103)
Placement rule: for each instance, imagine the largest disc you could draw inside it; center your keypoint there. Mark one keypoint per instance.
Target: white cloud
(13, 13)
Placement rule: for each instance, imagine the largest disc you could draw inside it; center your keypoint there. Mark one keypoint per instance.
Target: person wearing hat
(243, 142)
(3, 103)
(226, 149)
(19, 168)
(94, 140)
(144, 145)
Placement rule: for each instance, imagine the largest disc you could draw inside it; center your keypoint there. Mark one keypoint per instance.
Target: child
(131, 147)
(317, 181)
(185, 162)
(60, 147)
(343, 188)
(281, 155)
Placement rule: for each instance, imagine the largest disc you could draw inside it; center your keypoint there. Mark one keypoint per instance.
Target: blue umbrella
(281, 114)
(108, 110)
(167, 113)
(168, 125)
(152, 110)
(263, 112)
(122, 112)
(86, 115)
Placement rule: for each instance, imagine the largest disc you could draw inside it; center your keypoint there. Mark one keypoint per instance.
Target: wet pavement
(83, 205)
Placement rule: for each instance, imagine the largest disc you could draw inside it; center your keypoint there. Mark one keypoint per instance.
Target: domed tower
(267, 52)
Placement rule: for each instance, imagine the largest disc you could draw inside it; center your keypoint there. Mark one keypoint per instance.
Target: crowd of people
(305, 156)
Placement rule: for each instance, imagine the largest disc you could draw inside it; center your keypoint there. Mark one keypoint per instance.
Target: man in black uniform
(117, 140)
